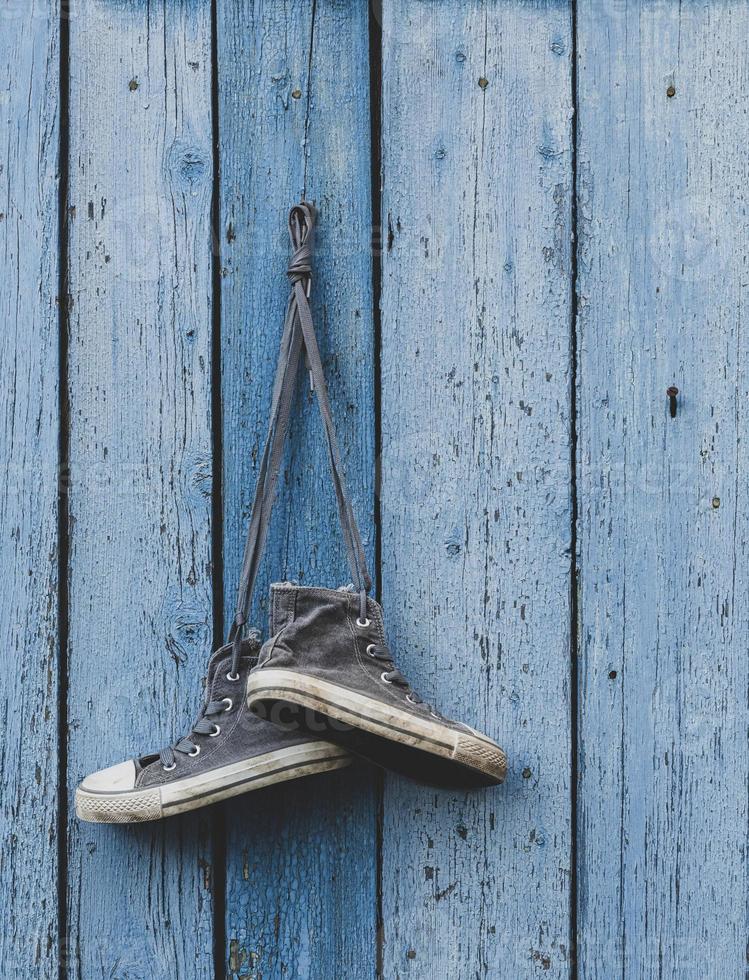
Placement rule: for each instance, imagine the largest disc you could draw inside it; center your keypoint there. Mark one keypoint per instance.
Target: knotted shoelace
(298, 333)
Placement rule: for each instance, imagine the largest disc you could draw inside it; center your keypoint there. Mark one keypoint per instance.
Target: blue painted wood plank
(140, 901)
(294, 112)
(29, 393)
(476, 465)
(663, 177)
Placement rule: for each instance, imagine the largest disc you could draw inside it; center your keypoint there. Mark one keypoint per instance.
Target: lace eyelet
(232, 677)
(169, 768)
(363, 623)
(371, 649)
(229, 704)
(410, 699)
(216, 731)
(195, 753)
(384, 677)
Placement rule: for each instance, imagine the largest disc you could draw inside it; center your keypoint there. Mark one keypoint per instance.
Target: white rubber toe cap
(116, 779)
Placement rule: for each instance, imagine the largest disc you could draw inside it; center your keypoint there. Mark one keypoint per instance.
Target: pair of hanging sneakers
(324, 688)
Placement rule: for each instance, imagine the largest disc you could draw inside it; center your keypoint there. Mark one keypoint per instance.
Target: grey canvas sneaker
(328, 659)
(229, 750)
(328, 655)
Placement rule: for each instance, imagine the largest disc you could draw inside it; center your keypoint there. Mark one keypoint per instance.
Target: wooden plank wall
(560, 193)
(663, 275)
(139, 368)
(476, 504)
(29, 544)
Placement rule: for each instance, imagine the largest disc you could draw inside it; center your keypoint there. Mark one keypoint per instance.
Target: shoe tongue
(281, 599)
(144, 762)
(285, 595)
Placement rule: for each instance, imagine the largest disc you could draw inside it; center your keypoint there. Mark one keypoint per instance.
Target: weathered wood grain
(140, 447)
(294, 119)
(476, 512)
(29, 393)
(476, 480)
(663, 178)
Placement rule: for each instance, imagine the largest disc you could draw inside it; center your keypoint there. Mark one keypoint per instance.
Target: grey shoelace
(298, 332)
(270, 464)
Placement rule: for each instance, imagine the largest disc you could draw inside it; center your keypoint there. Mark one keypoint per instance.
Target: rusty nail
(672, 392)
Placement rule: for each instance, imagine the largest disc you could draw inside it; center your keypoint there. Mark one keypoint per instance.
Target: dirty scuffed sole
(468, 751)
(153, 803)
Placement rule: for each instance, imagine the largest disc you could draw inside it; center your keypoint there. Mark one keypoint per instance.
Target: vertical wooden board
(663, 177)
(29, 393)
(294, 118)
(476, 506)
(140, 448)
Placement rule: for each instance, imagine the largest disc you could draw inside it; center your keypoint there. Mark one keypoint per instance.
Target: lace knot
(300, 267)
(301, 223)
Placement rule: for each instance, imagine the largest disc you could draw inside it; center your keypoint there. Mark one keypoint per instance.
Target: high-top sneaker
(327, 658)
(327, 652)
(228, 751)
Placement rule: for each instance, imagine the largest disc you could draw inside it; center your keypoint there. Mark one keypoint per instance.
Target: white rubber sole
(155, 802)
(468, 748)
